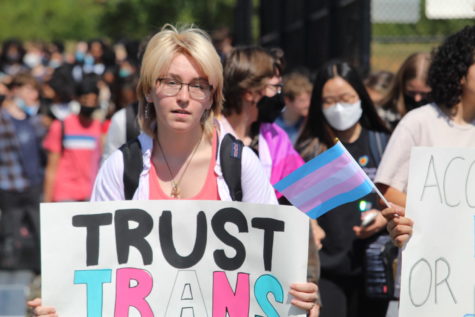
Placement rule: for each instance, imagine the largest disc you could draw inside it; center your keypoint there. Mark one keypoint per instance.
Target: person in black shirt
(341, 108)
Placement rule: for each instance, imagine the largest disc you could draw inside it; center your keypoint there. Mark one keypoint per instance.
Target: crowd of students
(63, 115)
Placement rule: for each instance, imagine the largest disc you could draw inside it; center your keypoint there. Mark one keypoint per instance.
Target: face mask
(412, 104)
(79, 56)
(270, 108)
(88, 60)
(124, 73)
(343, 116)
(60, 111)
(29, 110)
(32, 60)
(54, 64)
(86, 111)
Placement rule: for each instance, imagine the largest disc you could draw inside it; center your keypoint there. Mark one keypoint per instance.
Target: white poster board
(438, 276)
(172, 258)
(453, 9)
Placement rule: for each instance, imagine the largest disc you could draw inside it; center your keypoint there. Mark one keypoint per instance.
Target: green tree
(138, 18)
(84, 19)
(49, 20)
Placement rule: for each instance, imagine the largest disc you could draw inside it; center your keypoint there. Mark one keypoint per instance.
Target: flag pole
(381, 195)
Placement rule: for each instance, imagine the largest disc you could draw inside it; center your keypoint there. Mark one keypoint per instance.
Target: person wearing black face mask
(74, 149)
(415, 99)
(253, 94)
(11, 57)
(408, 91)
(253, 99)
(269, 108)
(87, 111)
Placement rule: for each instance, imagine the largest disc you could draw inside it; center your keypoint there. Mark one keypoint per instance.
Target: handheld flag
(331, 179)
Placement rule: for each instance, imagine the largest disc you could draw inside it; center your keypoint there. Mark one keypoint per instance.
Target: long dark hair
(316, 125)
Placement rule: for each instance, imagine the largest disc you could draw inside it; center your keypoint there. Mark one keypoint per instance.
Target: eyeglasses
(198, 89)
(347, 98)
(276, 88)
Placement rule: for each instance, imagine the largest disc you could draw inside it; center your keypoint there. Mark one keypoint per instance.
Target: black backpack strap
(230, 155)
(132, 129)
(62, 135)
(133, 166)
(377, 144)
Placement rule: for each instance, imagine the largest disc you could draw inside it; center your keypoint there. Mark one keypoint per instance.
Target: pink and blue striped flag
(331, 179)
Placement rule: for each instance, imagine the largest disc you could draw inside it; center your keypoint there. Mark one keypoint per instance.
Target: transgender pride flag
(331, 179)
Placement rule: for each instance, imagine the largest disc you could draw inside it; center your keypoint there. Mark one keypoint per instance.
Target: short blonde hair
(161, 49)
(296, 84)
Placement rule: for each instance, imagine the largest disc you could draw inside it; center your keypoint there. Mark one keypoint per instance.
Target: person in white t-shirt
(449, 121)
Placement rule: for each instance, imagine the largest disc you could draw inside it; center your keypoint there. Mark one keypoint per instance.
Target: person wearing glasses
(180, 93)
(409, 89)
(341, 108)
(253, 100)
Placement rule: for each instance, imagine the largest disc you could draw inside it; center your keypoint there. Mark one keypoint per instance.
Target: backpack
(230, 156)
(132, 129)
(377, 144)
(380, 253)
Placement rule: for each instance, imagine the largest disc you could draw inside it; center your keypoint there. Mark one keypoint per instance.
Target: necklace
(175, 192)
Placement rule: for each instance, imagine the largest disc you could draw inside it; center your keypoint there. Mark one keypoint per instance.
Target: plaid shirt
(12, 177)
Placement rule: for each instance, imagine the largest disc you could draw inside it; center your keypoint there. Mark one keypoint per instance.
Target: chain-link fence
(403, 27)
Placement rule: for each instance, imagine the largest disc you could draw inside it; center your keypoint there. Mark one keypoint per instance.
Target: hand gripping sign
(172, 258)
(437, 263)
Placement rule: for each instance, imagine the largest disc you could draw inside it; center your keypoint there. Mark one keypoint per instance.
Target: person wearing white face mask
(342, 115)
(341, 108)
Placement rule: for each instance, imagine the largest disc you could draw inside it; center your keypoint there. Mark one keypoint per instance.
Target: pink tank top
(209, 191)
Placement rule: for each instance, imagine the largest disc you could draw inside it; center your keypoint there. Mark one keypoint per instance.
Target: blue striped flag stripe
(311, 166)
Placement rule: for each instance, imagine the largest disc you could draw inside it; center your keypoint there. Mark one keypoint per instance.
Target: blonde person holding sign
(180, 93)
(449, 121)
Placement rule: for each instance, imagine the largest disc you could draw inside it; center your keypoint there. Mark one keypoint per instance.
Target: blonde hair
(161, 49)
(296, 84)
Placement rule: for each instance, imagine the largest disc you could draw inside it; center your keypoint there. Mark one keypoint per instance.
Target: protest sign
(172, 258)
(437, 263)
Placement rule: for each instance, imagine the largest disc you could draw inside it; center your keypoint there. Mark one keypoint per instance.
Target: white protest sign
(438, 278)
(172, 258)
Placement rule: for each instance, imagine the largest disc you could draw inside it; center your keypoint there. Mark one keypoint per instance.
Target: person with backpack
(180, 93)
(253, 94)
(124, 127)
(253, 100)
(341, 108)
